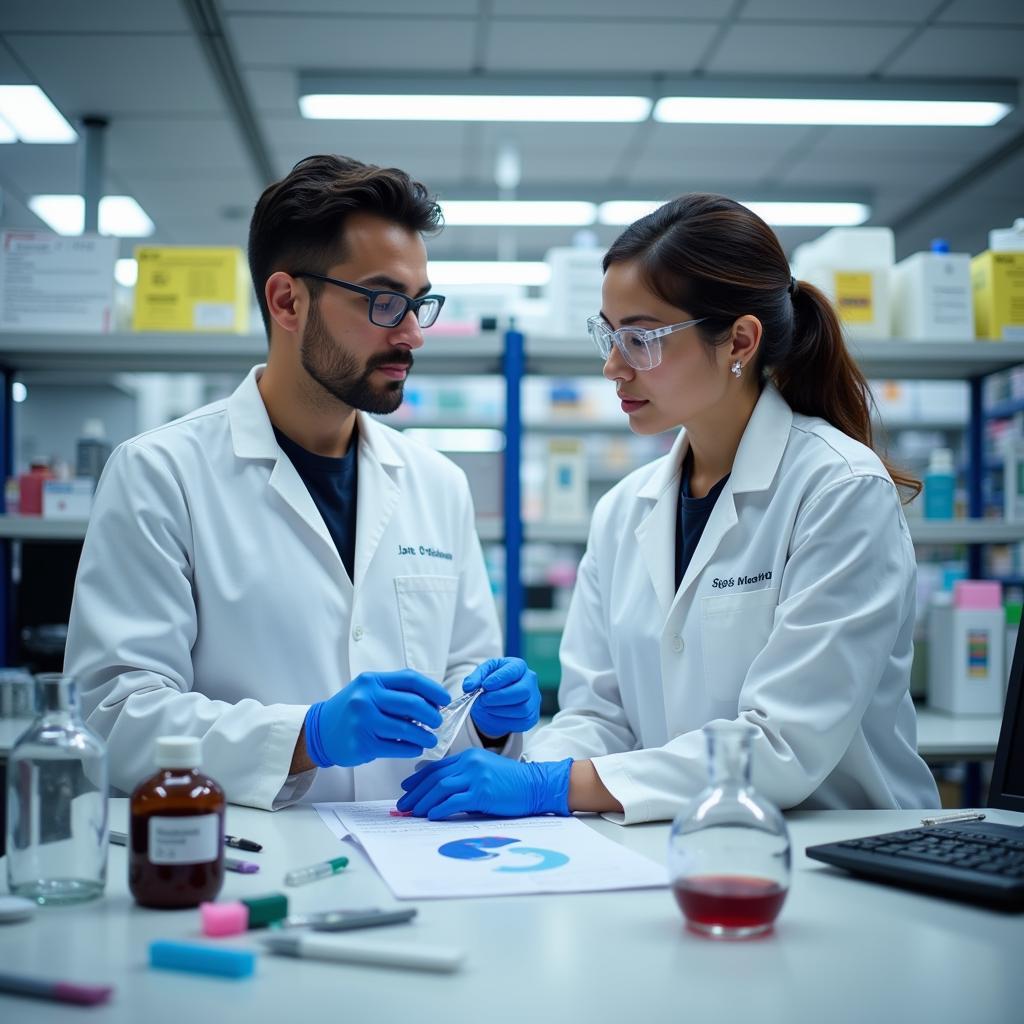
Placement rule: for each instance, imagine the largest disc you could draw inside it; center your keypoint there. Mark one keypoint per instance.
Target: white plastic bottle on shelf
(92, 450)
(853, 267)
(931, 296)
(1007, 239)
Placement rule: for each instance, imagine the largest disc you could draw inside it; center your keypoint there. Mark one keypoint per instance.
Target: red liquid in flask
(729, 904)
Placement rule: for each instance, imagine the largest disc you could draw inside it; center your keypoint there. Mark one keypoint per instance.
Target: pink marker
(59, 991)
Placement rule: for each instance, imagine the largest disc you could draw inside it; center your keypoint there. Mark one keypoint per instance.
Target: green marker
(300, 876)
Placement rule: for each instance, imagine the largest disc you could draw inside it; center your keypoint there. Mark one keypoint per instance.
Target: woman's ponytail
(719, 261)
(819, 377)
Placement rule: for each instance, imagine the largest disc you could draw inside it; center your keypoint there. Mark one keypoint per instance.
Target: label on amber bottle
(184, 840)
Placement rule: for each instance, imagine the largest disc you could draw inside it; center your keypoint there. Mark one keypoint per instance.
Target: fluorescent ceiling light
(522, 213)
(18, 391)
(625, 211)
(811, 214)
(742, 110)
(118, 215)
(446, 439)
(383, 107)
(778, 214)
(28, 110)
(454, 272)
(7, 133)
(126, 272)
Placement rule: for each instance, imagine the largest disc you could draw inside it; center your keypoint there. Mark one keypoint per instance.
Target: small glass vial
(176, 836)
(57, 801)
(729, 852)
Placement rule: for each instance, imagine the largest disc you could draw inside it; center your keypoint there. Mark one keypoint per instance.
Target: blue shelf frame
(513, 365)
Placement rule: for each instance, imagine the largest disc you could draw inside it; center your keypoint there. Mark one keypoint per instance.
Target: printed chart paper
(420, 859)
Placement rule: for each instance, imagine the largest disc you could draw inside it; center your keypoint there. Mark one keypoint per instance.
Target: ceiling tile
(596, 47)
(874, 11)
(708, 156)
(119, 74)
(175, 147)
(354, 43)
(40, 170)
(354, 137)
(466, 8)
(991, 12)
(11, 72)
(61, 16)
(805, 49)
(975, 52)
(583, 9)
(272, 90)
(428, 165)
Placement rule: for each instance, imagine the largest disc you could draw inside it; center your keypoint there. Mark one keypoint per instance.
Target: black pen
(244, 867)
(243, 844)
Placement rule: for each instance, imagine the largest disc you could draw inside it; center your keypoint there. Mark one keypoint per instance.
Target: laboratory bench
(842, 950)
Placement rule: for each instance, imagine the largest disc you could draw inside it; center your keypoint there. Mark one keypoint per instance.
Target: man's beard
(337, 371)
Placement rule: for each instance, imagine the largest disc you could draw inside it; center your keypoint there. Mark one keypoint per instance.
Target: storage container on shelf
(997, 280)
(853, 267)
(931, 296)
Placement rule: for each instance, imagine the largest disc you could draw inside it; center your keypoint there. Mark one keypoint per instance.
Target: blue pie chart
(491, 847)
(474, 849)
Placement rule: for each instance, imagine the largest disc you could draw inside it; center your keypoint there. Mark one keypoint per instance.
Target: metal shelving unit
(513, 356)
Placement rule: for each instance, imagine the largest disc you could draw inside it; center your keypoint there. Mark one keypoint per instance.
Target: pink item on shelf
(224, 918)
(978, 595)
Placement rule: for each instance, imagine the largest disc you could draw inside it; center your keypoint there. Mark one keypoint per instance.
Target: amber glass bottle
(176, 837)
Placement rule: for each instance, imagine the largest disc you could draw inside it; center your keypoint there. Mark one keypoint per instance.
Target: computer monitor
(1007, 787)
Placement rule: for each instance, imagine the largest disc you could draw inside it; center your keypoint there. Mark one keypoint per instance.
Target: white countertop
(843, 950)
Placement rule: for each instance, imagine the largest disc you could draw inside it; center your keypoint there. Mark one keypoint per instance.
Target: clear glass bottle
(729, 852)
(57, 801)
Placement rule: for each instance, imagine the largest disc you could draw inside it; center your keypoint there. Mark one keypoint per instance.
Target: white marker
(358, 951)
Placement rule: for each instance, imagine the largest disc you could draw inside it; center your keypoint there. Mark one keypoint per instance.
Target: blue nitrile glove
(511, 698)
(480, 780)
(375, 716)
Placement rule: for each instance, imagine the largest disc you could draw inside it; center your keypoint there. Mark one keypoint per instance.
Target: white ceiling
(178, 146)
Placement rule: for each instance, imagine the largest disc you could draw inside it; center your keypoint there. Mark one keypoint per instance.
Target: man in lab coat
(279, 573)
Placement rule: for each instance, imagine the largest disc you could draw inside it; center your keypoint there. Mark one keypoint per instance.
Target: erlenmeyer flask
(729, 854)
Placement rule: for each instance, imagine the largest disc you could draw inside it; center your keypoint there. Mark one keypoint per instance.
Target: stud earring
(737, 369)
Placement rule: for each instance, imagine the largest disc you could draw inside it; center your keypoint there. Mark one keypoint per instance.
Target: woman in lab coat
(762, 570)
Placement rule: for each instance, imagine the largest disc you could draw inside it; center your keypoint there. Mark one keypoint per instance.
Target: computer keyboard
(983, 863)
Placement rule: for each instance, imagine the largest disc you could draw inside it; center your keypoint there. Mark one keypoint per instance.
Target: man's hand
(376, 715)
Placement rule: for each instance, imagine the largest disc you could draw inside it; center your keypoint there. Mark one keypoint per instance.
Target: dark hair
(717, 259)
(299, 221)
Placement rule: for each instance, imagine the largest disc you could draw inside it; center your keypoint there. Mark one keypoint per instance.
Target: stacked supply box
(191, 289)
(574, 291)
(931, 296)
(966, 650)
(853, 267)
(998, 282)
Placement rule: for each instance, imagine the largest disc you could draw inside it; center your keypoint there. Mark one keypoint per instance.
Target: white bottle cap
(941, 461)
(178, 752)
(93, 430)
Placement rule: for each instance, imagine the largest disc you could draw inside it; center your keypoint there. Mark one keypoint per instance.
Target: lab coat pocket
(734, 628)
(426, 611)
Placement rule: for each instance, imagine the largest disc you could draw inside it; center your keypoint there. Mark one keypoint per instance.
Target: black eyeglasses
(387, 308)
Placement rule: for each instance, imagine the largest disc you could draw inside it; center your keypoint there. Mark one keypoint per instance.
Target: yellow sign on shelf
(203, 289)
(855, 296)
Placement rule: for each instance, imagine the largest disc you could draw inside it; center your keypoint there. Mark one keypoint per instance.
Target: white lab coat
(211, 600)
(795, 614)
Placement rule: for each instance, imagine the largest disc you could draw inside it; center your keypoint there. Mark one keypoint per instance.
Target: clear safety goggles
(640, 348)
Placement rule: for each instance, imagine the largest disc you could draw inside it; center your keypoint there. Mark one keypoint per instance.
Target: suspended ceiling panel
(176, 141)
(421, 42)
